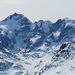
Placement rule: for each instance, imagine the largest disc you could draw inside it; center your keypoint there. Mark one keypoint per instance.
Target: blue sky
(38, 9)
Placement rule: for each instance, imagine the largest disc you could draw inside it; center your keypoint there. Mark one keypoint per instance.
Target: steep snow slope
(19, 26)
(65, 62)
(46, 63)
(40, 48)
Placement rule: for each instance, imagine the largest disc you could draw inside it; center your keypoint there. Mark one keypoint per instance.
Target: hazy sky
(38, 9)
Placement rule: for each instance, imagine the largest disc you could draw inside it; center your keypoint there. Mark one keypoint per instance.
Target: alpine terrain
(39, 48)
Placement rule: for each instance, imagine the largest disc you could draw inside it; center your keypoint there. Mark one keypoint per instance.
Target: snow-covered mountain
(39, 48)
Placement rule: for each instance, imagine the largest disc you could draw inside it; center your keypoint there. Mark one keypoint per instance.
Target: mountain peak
(23, 43)
(18, 19)
(14, 16)
(17, 14)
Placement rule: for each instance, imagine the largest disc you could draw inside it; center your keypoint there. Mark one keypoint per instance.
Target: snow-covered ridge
(40, 48)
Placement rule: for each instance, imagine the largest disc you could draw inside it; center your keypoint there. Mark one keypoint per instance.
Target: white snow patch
(57, 33)
(34, 38)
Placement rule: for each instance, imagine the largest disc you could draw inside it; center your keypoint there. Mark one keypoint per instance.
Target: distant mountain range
(39, 48)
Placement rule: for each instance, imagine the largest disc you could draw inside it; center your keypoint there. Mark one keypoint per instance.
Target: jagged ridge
(23, 43)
